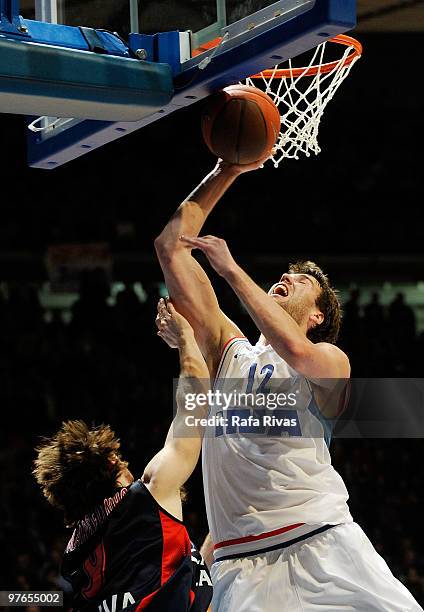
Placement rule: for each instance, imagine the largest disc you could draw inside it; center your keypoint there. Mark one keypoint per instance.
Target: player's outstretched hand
(172, 327)
(242, 168)
(216, 250)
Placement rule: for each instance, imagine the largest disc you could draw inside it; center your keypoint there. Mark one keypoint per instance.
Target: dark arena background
(81, 343)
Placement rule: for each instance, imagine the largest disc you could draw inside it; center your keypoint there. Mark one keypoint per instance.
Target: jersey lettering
(204, 578)
(112, 606)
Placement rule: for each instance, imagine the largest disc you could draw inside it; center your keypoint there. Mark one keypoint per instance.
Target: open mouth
(280, 289)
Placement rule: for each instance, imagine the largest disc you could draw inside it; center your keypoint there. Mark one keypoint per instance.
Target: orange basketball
(240, 124)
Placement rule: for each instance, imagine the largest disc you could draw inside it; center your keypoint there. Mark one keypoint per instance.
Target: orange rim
(286, 73)
(211, 44)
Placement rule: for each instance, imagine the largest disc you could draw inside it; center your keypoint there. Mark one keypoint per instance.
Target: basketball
(240, 124)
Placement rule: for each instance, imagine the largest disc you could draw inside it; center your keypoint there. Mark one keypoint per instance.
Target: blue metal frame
(10, 20)
(325, 20)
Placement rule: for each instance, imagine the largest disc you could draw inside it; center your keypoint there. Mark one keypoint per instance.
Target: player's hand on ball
(172, 327)
(242, 168)
(216, 250)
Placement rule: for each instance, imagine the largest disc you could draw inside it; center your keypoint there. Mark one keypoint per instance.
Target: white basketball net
(301, 100)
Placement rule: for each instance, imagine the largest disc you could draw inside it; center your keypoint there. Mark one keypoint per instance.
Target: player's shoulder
(338, 356)
(332, 349)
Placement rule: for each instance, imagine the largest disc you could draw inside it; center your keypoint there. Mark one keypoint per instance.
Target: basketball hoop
(302, 94)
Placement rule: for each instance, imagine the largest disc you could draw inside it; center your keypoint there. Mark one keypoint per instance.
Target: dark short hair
(74, 468)
(327, 301)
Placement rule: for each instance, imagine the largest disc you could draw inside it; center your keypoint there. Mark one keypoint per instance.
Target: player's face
(297, 294)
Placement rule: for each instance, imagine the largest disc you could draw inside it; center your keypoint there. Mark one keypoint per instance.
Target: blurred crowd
(107, 365)
(381, 341)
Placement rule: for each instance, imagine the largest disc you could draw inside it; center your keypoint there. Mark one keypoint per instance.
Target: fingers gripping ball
(240, 124)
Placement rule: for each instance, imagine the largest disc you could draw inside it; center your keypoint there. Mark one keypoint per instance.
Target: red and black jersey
(131, 554)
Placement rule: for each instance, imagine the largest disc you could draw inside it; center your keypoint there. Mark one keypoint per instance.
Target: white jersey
(269, 485)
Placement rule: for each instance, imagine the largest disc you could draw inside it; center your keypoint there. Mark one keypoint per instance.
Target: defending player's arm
(171, 467)
(206, 551)
(187, 283)
(320, 360)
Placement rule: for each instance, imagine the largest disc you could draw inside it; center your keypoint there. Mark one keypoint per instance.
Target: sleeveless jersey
(267, 485)
(130, 554)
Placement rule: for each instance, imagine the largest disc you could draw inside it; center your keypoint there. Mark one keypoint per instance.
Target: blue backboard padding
(327, 19)
(38, 79)
(71, 37)
(63, 36)
(51, 33)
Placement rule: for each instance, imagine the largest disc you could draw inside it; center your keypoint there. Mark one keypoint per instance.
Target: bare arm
(171, 467)
(321, 360)
(206, 551)
(187, 283)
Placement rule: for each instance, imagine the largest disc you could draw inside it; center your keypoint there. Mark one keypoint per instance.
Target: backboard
(204, 18)
(220, 42)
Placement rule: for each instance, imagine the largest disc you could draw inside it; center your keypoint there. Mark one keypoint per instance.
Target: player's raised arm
(187, 282)
(171, 467)
(286, 330)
